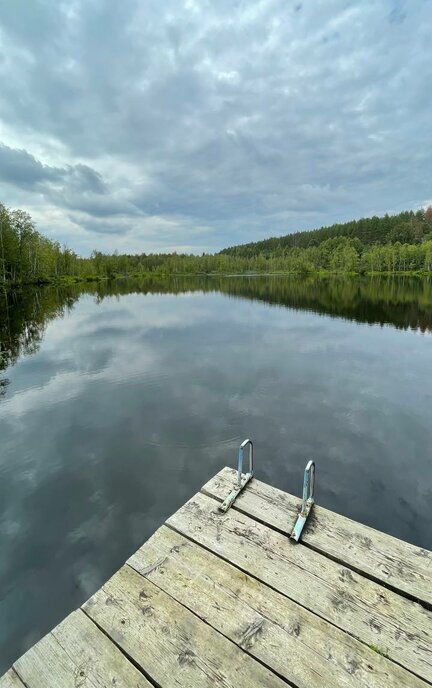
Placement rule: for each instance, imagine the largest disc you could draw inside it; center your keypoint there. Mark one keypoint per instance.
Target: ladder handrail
(242, 479)
(244, 444)
(308, 500)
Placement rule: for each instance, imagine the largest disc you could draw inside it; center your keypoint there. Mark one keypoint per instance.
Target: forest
(392, 244)
(408, 227)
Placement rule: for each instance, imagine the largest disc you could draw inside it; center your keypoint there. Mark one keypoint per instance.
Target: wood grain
(173, 646)
(77, 654)
(398, 627)
(11, 680)
(298, 645)
(386, 559)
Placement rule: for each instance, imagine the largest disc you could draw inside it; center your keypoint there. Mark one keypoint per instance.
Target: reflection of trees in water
(402, 302)
(3, 384)
(24, 315)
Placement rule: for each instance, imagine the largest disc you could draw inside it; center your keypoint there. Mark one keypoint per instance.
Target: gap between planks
(76, 653)
(174, 645)
(11, 680)
(360, 607)
(396, 564)
(292, 641)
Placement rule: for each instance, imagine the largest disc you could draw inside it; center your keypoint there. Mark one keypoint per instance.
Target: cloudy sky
(191, 125)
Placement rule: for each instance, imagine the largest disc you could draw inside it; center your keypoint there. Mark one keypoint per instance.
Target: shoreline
(71, 280)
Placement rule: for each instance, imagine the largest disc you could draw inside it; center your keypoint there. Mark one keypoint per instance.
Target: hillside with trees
(391, 244)
(408, 227)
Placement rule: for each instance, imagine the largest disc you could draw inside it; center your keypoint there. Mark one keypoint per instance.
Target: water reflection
(401, 302)
(135, 393)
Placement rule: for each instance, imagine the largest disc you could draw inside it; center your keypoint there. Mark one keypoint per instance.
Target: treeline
(408, 227)
(28, 257)
(344, 255)
(339, 255)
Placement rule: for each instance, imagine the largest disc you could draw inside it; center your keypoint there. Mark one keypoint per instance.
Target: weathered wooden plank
(297, 644)
(46, 664)
(105, 664)
(76, 653)
(404, 567)
(400, 628)
(11, 680)
(173, 646)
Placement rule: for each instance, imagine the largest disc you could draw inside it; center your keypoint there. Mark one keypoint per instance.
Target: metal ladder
(244, 478)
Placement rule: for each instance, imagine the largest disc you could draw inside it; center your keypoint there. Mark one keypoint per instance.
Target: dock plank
(47, 664)
(169, 642)
(76, 653)
(398, 627)
(404, 567)
(11, 680)
(301, 647)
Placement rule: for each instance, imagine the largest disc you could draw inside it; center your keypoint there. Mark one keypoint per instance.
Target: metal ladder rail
(242, 479)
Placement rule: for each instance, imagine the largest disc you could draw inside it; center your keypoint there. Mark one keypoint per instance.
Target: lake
(119, 400)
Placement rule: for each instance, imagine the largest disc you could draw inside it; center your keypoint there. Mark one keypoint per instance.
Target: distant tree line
(391, 244)
(408, 227)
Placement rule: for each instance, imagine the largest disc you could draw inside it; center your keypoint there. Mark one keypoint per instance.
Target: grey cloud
(95, 205)
(83, 177)
(245, 118)
(98, 226)
(76, 187)
(22, 169)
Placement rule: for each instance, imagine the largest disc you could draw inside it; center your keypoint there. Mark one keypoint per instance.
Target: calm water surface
(118, 402)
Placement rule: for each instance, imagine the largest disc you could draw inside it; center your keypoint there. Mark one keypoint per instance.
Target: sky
(192, 125)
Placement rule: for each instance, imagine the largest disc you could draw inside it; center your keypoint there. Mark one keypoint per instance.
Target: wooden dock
(227, 599)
